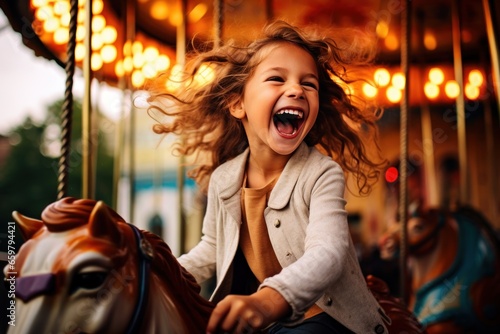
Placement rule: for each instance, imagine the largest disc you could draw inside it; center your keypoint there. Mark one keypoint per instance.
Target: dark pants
(319, 324)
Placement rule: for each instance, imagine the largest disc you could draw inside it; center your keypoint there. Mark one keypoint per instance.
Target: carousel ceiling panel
(156, 23)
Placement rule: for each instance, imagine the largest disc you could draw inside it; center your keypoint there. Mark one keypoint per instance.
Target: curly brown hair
(200, 114)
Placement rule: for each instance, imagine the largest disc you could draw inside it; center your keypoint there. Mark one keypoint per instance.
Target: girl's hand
(247, 314)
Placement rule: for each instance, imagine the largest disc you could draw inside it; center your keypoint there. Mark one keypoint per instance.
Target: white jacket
(307, 224)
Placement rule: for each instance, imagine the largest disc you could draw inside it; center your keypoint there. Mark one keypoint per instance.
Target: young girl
(275, 232)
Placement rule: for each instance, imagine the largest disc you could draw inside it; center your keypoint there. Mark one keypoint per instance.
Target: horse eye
(88, 280)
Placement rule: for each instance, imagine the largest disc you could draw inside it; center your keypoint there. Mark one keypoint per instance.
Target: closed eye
(275, 78)
(310, 84)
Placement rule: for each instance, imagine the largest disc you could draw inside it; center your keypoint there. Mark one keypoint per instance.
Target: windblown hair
(200, 114)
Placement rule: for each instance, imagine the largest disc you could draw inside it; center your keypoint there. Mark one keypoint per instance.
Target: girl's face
(280, 100)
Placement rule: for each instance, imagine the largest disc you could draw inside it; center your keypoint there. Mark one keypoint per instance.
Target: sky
(29, 84)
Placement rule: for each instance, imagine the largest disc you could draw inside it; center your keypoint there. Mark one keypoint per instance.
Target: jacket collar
(233, 171)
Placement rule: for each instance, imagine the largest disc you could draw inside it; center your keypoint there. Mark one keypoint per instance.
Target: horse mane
(68, 213)
(193, 308)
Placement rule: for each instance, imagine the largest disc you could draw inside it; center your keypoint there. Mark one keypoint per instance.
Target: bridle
(145, 252)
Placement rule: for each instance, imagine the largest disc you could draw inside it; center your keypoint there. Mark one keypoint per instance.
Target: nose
(295, 91)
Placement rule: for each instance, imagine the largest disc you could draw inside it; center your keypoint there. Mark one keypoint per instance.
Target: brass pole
(130, 37)
(181, 59)
(87, 144)
(492, 40)
(403, 167)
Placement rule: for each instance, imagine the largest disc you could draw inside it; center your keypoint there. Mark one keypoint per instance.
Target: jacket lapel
(280, 195)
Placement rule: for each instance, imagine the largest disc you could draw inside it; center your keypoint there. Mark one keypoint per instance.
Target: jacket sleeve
(326, 242)
(201, 260)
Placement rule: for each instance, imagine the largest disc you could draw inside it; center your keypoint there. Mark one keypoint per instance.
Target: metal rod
(218, 21)
(431, 197)
(403, 192)
(181, 179)
(128, 96)
(460, 104)
(87, 143)
(67, 109)
(492, 40)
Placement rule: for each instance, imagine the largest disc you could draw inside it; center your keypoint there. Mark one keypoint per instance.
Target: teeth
(291, 112)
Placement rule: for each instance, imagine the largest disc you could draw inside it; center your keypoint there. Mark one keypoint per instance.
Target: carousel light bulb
(128, 64)
(369, 90)
(149, 71)
(452, 89)
(61, 36)
(44, 13)
(393, 94)
(96, 42)
(204, 75)
(79, 51)
(96, 62)
(97, 7)
(391, 42)
(476, 78)
(471, 91)
(137, 78)
(137, 47)
(162, 63)
(98, 23)
(382, 77)
(65, 19)
(431, 90)
(198, 12)
(39, 3)
(108, 53)
(150, 53)
(138, 60)
(119, 71)
(109, 34)
(382, 29)
(159, 10)
(430, 41)
(80, 33)
(51, 24)
(61, 7)
(436, 75)
(399, 80)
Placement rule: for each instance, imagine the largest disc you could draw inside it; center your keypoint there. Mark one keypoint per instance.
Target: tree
(28, 181)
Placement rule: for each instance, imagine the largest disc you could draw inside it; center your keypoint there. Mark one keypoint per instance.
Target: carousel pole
(87, 142)
(460, 104)
(403, 166)
(67, 112)
(181, 60)
(128, 97)
(493, 42)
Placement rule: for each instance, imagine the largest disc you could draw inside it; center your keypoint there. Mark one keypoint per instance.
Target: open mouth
(288, 121)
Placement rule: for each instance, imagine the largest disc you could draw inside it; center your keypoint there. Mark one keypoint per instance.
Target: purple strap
(29, 287)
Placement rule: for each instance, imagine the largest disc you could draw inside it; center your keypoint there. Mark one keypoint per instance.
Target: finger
(218, 315)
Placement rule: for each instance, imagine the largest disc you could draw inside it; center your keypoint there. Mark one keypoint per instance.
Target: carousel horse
(83, 269)
(453, 270)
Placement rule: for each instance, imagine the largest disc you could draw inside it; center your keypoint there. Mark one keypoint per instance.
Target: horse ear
(103, 225)
(28, 226)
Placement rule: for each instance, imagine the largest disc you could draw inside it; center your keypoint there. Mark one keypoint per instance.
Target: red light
(391, 174)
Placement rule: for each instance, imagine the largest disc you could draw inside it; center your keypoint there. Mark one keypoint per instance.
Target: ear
(28, 226)
(103, 225)
(236, 107)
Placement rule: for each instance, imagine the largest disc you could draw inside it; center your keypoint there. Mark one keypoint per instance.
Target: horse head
(453, 266)
(84, 269)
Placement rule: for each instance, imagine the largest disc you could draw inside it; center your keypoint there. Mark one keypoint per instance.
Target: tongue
(285, 127)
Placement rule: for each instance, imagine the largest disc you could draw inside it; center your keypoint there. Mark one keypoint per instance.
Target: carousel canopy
(43, 25)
